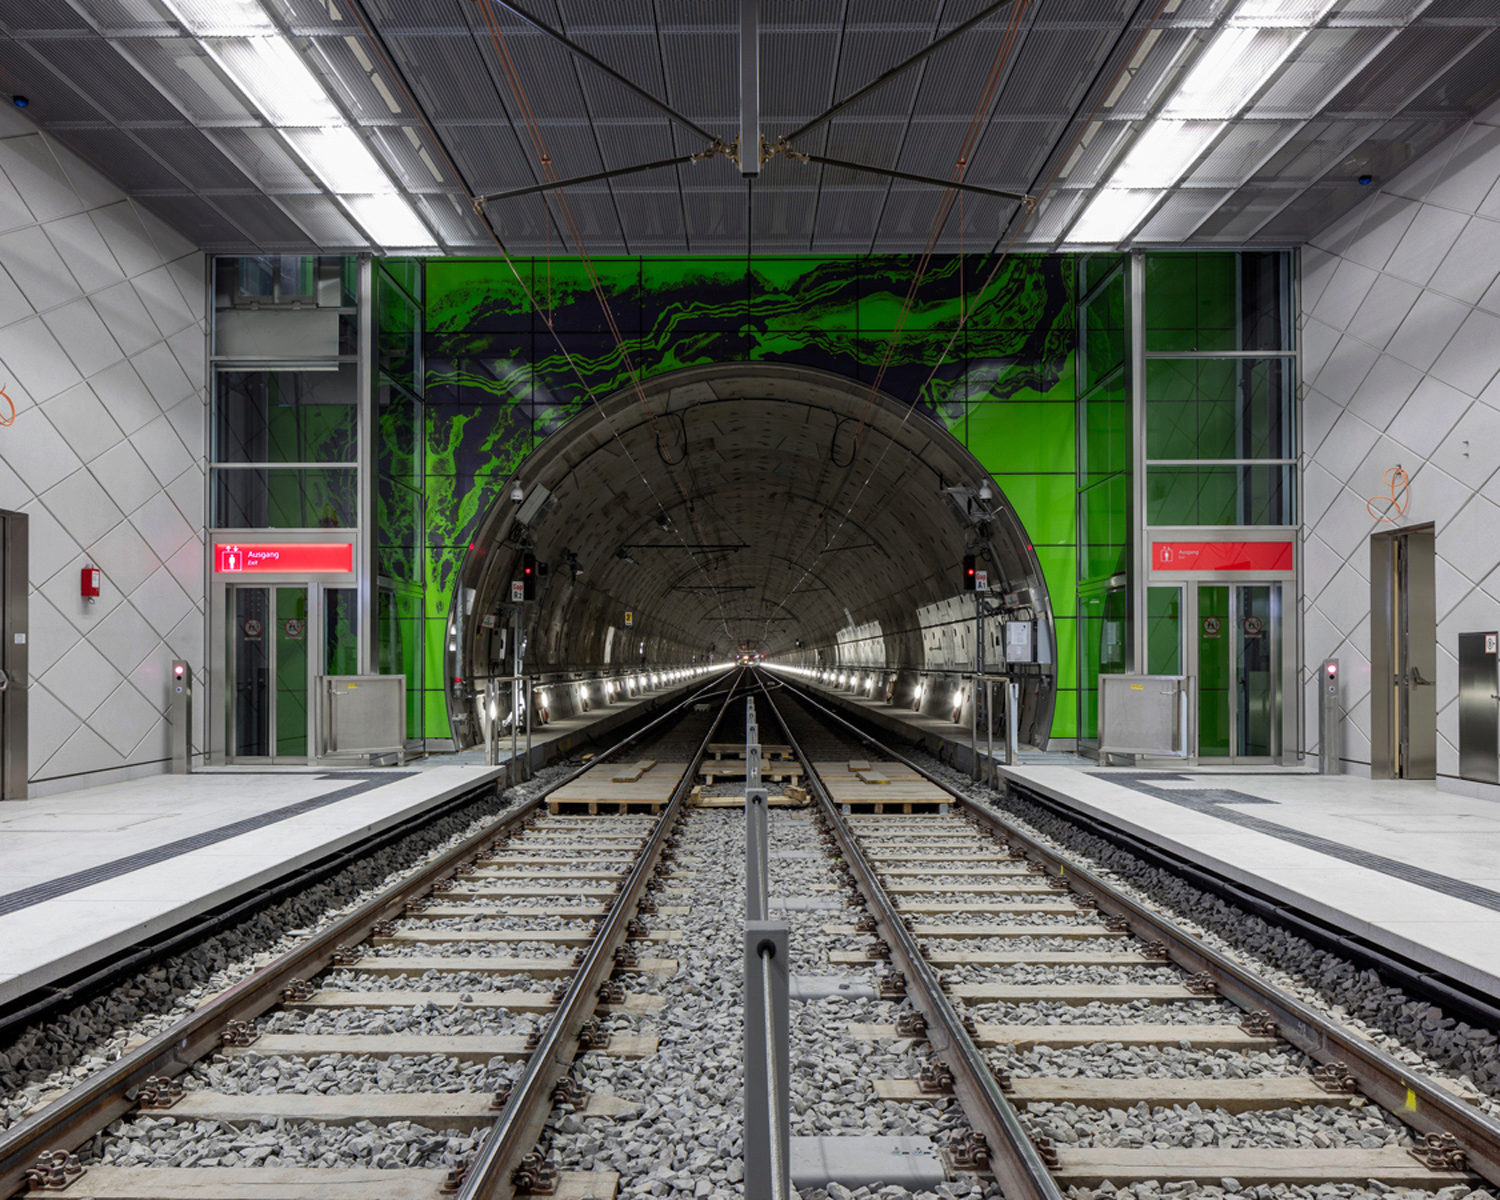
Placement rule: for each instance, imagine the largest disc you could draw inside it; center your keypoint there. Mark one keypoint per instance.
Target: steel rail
(520, 1123)
(76, 1116)
(1014, 1159)
(1407, 1095)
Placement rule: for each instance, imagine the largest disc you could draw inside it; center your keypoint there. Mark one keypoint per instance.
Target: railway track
(1088, 1040)
(555, 1004)
(456, 1001)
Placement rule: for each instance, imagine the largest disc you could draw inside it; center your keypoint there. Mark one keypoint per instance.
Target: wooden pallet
(880, 788)
(779, 771)
(608, 788)
(723, 750)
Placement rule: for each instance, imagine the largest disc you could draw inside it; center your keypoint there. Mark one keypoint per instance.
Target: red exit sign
(237, 558)
(1221, 556)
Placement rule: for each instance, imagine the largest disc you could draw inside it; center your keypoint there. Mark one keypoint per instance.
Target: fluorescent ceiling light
(340, 158)
(1298, 12)
(389, 220)
(1111, 215)
(269, 70)
(222, 17)
(1232, 68)
(1163, 152)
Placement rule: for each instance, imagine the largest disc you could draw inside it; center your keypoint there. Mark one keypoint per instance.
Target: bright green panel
(570, 290)
(1104, 528)
(1104, 332)
(1011, 434)
(1191, 301)
(1045, 504)
(1066, 632)
(1164, 631)
(284, 498)
(1213, 635)
(1218, 410)
(407, 272)
(398, 328)
(1065, 715)
(1059, 570)
(691, 294)
(291, 671)
(1220, 495)
(435, 715)
(1172, 408)
(1107, 431)
(398, 635)
(1096, 267)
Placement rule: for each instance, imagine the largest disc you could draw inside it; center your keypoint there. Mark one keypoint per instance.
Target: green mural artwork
(497, 380)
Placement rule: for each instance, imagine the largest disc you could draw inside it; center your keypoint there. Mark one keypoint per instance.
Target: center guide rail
(73, 1118)
(1455, 1130)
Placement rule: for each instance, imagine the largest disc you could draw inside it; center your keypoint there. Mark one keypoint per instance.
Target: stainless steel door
(1478, 708)
(269, 635)
(13, 649)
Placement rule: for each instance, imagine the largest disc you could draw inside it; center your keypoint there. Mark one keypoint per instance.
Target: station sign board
(1221, 556)
(247, 558)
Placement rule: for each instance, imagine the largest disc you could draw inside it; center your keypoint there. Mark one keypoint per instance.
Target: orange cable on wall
(1397, 498)
(7, 418)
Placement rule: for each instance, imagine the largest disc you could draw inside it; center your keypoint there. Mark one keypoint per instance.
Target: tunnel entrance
(776, 508)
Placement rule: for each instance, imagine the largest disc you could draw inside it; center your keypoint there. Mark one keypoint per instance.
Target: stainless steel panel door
(14, 558)
(1478, 710)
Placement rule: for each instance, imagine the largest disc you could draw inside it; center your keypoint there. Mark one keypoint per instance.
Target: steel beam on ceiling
(749, 88)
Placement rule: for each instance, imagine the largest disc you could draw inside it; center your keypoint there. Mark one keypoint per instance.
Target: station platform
(87, 874)
(1405, 867)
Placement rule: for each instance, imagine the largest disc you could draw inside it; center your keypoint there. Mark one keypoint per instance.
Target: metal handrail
(520, 1121)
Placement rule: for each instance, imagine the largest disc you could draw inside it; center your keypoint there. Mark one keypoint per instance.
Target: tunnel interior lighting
(958, 699)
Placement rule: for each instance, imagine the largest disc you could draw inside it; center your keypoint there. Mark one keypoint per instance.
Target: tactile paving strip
(37, 893)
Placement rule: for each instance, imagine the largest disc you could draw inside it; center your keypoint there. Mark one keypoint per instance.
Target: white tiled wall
(1401, 349)
(101, 348)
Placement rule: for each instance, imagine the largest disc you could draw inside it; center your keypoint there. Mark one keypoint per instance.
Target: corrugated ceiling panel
(489, 156)
(702, 72)
(796, 79)
(1469, 85)
(1146, 83)
(1241, 214)
(654, 217)
(931, 146)
(43, 14)
(523, 222)
(1179, 214)
(1097, 156)
(785, 216)
(1325, 58)
(1402, 68)
(117, 156)
(453, 221)
(869, 142)
(182, 67)
(264, 157)
(193, 157)
(917, 16)
(447, 75)
(338, 64)
(1314, 149)
(955, 78)
(1240, 151)
(868, 53)
(664, 180)
(634, 56)
(97, 69)
(412, 171)
(201, 224)
(324, 222)
(1314, 210)
(1082, 12)
(1057, 67)
(1054, 213)
(848, 214)
(714, 218)
(681, 15)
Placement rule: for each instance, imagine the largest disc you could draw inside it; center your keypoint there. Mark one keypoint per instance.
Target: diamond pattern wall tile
(83, 337)
(1319, 414)
(1473, 264)
(1384, 221)
(1426, 418)
(1345, 292)
(1317, 340)
(125, 719)
(79, 245)
(82, 506)
(1319, 487)
(37, 269)
(1469, 361)
(1469, 174)
(1346, 369)
(1386, 388)
(120, 308)
(27, 161)
(1425, 243)
(1345, 526)
(1436, 496)
(1386, 306)
(1427, 330)
(1474, 529)
(80, 400)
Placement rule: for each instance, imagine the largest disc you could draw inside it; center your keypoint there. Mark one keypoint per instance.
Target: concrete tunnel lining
(754, 467)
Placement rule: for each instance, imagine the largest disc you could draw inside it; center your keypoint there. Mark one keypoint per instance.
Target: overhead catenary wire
(1028, 211)
(377, 43)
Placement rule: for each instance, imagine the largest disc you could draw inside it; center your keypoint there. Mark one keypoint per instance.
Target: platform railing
(767, 979)
(1012, 692)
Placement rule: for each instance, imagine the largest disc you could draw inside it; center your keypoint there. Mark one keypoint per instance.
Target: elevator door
(268, 636)
(1239, 671)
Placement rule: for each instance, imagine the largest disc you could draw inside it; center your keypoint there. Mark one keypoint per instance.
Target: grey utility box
(363, 715)
(1479, 706)
(1143, 714)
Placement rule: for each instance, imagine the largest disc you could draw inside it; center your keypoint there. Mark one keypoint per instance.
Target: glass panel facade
(1164, 631)
(1218, 301)
(287, 416)
(340, 631)
(1209, 494)
(1220, 389)
(283, 498)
